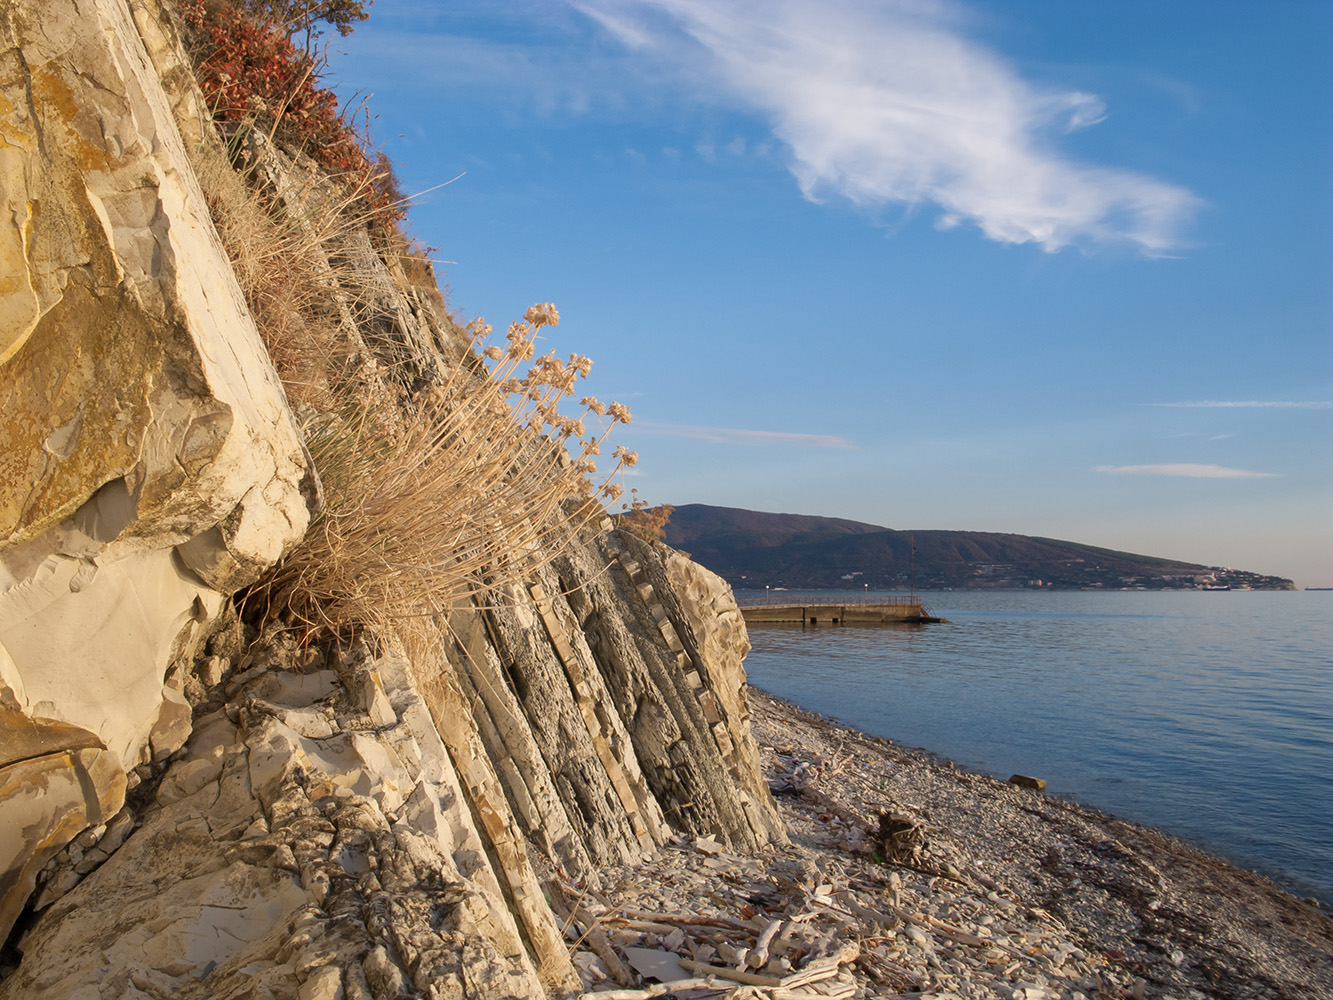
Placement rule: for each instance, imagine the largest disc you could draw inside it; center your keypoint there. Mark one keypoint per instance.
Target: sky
(1053, 267)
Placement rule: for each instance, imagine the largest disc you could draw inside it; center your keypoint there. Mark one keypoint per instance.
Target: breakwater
(834, 609)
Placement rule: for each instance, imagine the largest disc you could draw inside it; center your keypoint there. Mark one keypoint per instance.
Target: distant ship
(1216, 586)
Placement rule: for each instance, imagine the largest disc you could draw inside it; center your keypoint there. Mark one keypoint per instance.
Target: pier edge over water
(855, 609)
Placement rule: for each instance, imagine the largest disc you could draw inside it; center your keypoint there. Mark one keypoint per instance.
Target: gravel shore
(908, 878)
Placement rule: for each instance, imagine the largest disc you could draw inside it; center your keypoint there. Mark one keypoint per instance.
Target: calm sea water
(1209, 715)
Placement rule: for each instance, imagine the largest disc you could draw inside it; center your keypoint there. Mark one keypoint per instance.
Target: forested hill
(752, 549)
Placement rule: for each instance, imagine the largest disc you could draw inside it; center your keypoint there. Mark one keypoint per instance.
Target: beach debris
(876, 896)
(656, 963)
(1024, 781)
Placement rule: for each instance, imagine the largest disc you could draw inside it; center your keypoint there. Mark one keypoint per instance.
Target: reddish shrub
(250, 72)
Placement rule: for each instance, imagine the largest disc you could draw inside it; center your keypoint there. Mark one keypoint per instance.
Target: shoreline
(1128, 703)
(907, 878)
(1119, 886)
(1304, 894)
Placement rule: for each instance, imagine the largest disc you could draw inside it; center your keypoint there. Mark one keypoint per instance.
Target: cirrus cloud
(888, 102)
(1186, 469)
(1255, 404)
(737, 435)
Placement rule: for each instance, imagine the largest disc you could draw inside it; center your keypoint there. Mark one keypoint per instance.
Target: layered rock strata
(150, 464)
(383, 819)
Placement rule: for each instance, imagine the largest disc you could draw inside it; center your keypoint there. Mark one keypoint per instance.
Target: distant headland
(752, 549)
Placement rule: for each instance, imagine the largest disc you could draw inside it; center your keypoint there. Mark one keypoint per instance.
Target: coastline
(969, 887)
(1203, 715)
(1121, 889)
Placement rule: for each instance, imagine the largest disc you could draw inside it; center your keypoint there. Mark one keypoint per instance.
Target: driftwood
(685, 919)
(801, 931)
(655, 990)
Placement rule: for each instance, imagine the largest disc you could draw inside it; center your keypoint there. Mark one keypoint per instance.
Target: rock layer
(382, 820)
(151, 464)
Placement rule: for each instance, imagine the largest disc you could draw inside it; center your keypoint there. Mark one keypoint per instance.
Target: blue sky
(1053, 267)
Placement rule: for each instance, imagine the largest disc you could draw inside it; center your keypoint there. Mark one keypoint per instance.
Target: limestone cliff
(368, 817)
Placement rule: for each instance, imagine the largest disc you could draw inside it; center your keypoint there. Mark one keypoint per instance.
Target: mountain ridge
(752, 549)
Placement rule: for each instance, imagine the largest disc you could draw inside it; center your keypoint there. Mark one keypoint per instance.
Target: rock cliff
(190, 807)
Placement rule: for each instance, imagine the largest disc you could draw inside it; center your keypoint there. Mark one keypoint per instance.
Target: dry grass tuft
(642, 521)
(457, 492)
(288, 251)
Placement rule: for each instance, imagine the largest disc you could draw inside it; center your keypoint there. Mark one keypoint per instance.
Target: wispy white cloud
(736, 435)
(1256, 404)
(889, 102)
(625, 29)
(1188, 470)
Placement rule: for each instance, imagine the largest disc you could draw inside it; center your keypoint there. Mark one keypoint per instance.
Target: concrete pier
(827, 610)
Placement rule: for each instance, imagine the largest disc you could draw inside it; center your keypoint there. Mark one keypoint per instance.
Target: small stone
(259, 828)
(93, 859)
(173, 725)
(1024, 781)
(311, 723)
(370, 691)
(187, 778)
(57, 887)
(917, 937)
(118, 828)
(323, 984)
(212, 670)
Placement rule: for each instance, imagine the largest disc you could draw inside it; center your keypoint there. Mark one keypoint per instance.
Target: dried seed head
(542, 314)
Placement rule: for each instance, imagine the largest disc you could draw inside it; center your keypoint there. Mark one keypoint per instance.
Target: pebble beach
(908, 878)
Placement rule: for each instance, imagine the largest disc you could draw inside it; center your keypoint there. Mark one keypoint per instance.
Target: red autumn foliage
(251, 72)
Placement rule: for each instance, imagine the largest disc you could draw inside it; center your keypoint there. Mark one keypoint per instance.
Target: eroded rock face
(376, 821)
(150, 463)
(314, 840)
(329, 823)
(56, 781)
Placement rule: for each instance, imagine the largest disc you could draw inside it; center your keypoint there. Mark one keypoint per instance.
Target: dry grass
(285, 253)
(642, 521)
(432, 490)
(458, 493)
(441, 476)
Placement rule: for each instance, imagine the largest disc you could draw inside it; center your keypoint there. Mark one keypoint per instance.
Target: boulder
(151, 464)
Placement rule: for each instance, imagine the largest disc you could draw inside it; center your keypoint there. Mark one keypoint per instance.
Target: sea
(1205, 714)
